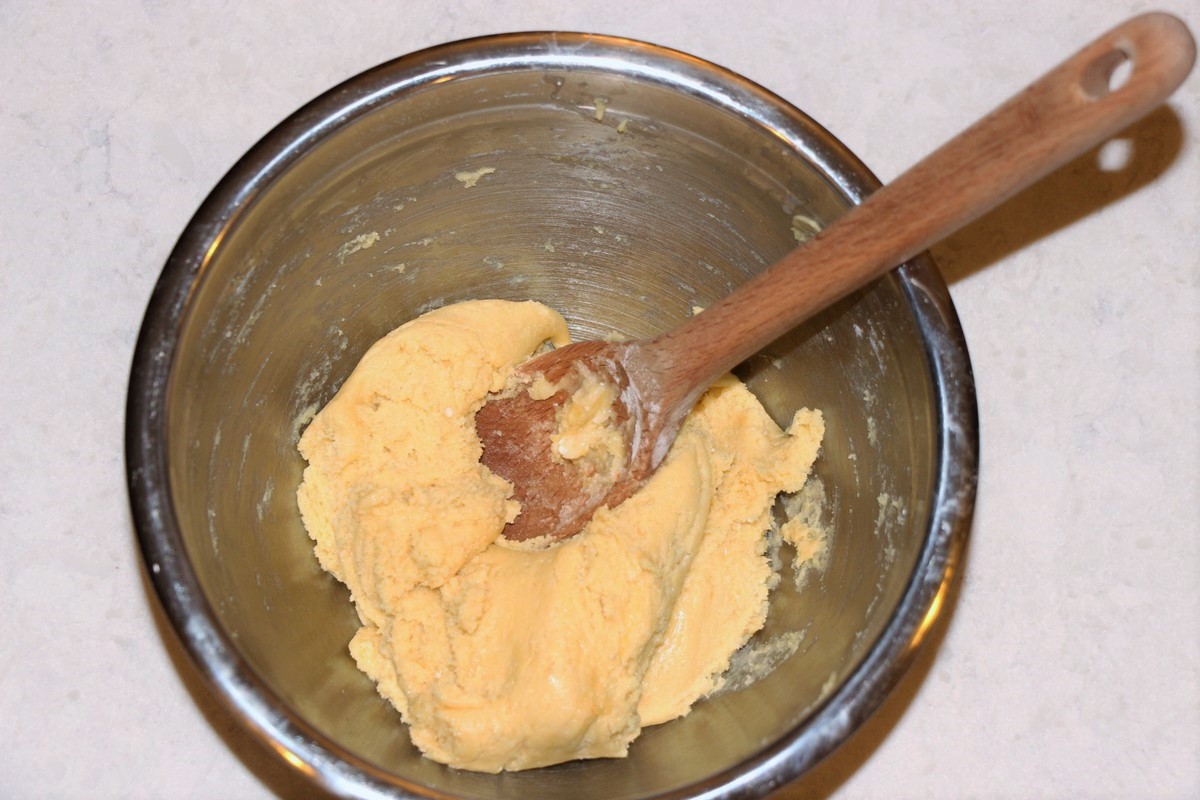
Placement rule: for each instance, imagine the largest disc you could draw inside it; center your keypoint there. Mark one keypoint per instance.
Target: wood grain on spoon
(1065, 113)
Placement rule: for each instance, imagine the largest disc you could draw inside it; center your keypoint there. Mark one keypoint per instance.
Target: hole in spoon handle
(1139, 62)
(1108, 73)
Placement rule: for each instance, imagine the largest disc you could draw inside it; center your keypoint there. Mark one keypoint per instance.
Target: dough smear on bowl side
(500, 656)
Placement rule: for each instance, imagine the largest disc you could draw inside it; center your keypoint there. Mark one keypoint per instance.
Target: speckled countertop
(1070, 664)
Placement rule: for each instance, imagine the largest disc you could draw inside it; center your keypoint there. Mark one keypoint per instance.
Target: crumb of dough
(806, 530)
(584, 422)
(583, 432)
(469, 179)
(501, 657)
(804, 227)
(622, 126)
(601, 107)
(364, 241)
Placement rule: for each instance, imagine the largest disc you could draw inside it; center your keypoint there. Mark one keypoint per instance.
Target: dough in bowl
(501, 657)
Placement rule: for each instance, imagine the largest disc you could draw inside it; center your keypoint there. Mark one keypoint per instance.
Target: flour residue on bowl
(892, 516)
(264, 502)
(758, 659)
(301, 420)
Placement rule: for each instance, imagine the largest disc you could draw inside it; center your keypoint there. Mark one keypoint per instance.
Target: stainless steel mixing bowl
(630, 184)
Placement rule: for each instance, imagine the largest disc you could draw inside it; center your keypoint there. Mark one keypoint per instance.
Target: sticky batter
(501, 658)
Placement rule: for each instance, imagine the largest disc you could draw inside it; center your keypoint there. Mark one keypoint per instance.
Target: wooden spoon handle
(1068, 111)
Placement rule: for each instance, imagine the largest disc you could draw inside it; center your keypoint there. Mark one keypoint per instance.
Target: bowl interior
(623, 223)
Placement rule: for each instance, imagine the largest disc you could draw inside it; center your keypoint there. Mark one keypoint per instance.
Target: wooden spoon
(1071, 109)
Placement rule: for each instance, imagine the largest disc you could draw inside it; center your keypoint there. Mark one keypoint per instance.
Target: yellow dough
(502, 658)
